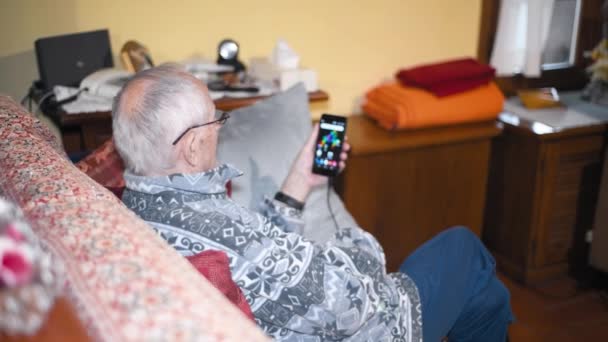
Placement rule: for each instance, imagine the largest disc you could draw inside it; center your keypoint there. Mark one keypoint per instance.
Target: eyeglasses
(222, 120)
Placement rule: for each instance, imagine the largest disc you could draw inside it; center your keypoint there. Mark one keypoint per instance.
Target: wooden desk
(86, 131)
(405, 187)
(541, 197)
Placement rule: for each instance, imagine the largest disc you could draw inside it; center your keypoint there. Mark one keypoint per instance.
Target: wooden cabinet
(405, 187)
(541, 197)
(61, 325)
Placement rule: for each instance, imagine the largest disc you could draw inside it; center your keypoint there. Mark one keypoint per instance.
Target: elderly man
(166, 130)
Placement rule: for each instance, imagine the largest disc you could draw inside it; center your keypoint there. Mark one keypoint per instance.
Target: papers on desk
(208, 71)
(264, 90)
(99, 89)
(577, 113)
(205, 70)
(89, 103)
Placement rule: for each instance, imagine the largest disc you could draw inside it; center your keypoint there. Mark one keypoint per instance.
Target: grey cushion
(262, 140)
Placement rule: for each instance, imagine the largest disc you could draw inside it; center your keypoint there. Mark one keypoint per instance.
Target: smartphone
(332, 129)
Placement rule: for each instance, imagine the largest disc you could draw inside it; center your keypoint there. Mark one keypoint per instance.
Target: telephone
(95, 93)
(105, 82)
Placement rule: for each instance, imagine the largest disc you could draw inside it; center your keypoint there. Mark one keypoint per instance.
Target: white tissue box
(288, 78)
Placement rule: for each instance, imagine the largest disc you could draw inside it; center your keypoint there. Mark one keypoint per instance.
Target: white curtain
(523, 27)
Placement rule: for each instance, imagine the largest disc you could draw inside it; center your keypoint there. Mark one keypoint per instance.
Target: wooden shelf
(86, 131)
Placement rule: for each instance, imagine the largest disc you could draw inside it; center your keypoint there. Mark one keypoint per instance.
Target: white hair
(145, 127)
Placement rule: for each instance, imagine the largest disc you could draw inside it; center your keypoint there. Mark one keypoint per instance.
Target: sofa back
(123, 280)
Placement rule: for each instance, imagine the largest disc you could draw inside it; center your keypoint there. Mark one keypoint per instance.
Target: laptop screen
(67, 59)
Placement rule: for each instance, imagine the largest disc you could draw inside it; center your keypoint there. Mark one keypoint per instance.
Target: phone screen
(328, 147)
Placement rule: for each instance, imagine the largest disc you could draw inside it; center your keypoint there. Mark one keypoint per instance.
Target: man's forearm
(296, 186)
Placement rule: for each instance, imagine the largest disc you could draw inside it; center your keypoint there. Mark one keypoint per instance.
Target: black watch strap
(290, 201)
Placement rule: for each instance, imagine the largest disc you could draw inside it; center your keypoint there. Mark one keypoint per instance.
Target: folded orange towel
(399, 107)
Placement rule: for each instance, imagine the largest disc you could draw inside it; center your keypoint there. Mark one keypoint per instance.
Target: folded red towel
(447, 78)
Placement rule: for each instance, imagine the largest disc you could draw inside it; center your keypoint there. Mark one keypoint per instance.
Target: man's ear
(191, 149)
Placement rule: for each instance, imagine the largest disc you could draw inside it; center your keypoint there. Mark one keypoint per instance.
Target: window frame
(569, 78)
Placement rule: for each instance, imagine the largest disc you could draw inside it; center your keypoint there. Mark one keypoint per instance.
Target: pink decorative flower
(15, 263)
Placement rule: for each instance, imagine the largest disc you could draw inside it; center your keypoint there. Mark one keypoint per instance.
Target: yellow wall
(352, 44)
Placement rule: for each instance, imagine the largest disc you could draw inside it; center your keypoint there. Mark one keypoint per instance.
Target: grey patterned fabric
(298, 290)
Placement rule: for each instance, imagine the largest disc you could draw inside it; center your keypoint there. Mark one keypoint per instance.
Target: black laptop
(67, 59)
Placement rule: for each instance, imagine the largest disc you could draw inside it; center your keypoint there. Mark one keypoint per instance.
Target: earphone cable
(330, 182)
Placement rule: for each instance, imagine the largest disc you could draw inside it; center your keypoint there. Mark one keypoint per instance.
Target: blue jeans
(460, 294)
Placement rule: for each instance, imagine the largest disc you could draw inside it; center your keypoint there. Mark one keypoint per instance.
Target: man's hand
(300, 179)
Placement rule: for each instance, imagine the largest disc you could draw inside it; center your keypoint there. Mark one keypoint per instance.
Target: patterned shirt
(298, 290)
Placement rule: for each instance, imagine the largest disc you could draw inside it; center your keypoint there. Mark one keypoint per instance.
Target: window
(575, 27)
(560, 48)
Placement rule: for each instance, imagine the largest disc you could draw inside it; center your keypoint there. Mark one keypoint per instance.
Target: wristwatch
(290, 201)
